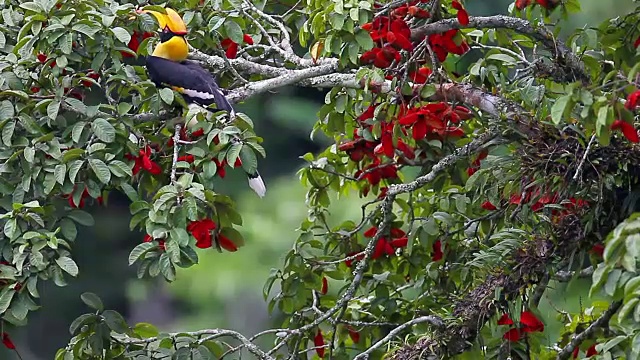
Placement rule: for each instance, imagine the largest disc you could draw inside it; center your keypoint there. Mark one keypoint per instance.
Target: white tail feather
(257, 185)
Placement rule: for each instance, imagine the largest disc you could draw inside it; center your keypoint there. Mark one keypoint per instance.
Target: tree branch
(564, 57)
(602, 321)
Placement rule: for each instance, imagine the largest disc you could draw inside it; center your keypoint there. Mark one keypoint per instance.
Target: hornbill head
(173, 46)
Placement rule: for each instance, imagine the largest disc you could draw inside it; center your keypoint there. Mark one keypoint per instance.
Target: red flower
(220, 170)
(400, 242)
(231, 47)
(318, 342)
(512, 335)
(637, 42)
(353, 334)
(531, 322)
(6, 340)
(371, 232)
(591, 351)
(633, 100)
(417, 12)
(135, 41)
(575, 352)
(149, 238)
(597, 249)
(505, 320)
(521, 4)
(226, 243)
(325, 286)
(420, 76)
(42, 58)
(197, 133)
(187, 158)
(437, 251)
(627, 129)
(487, 205)
(201, 231)
(463, 16)
(93, 75)
(143, 162)
(382, 247)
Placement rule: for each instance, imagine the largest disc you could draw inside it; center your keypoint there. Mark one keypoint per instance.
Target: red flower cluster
(550, 5)
(597, 249)
(161, 243)
(136, 39)
(389, 36)
(231, 47)
(143, 162)
(432, 120)
(448, 43)
(201, 231)
(353, 334)
(530, 323)
(383, 246)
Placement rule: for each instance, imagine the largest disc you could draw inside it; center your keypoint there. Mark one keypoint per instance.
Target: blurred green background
(225, 289)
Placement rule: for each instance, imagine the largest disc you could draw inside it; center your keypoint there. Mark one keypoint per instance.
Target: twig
(568, 275)
(584, 157)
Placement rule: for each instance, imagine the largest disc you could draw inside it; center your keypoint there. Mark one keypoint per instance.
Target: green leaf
(166, 95)
(6, 110)
(60, 173)
(233, 30)
(68, 265)
(74, 168)
(558, 109)
(80, 321)
(101, 170)
(120, 169)
(52, 109)
(6, 295)
(166, 267)
(92, 300)
(81, 217)
(103, 130)
(233, 153)
(32, 6)
(145, 330)
(29, 154)
(364, 40)
(7, 132)
(249, 160)
(140, 250)
(121, 34)
(115, 321)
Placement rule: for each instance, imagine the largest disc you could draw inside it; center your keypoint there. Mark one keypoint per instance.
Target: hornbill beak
(171, 20)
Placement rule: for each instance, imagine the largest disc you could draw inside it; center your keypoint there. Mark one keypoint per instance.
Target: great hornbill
(168, 67)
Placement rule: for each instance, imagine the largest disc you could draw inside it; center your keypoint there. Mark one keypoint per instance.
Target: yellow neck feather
(174, 49)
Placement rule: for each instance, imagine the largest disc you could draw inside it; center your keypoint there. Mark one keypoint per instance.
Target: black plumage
(198, 85)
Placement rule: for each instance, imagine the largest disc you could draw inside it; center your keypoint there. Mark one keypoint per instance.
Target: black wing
(196, 84)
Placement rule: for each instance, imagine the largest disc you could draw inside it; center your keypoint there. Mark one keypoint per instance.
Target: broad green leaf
(121, 34)
(103, 130)
(233, 30)
(101, 170)
(92, 300)
(81, 217)
(52, 109)
(166, 95)
(68, 265)
(559, 107)
(139, 251)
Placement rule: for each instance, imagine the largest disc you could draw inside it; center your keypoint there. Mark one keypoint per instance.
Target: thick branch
(562, 54)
